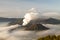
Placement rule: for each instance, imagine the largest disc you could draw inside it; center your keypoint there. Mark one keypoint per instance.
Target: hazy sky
(16, 8)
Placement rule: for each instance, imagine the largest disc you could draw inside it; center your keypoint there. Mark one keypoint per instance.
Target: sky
(17, 8)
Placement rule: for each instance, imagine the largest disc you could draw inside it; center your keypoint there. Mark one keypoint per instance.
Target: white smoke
(31, 15)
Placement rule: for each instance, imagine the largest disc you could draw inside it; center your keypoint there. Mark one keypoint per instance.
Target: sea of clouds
(21, 34)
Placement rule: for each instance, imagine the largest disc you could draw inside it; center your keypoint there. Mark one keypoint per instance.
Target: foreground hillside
(50, 38)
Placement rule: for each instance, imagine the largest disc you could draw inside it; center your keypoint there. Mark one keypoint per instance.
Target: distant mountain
(17, 21)
(2, 19)
(51, 21)
(12, 21)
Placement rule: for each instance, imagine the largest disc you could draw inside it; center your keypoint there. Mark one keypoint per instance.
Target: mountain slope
(36, 27)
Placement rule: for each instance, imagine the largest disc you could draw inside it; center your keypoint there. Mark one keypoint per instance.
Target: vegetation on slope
(50, 38)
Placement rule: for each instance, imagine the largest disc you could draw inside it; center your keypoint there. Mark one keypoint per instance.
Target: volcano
(36, 27)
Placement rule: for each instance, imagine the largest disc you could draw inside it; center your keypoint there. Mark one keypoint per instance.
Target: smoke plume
(31, 15)
(34, 15)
